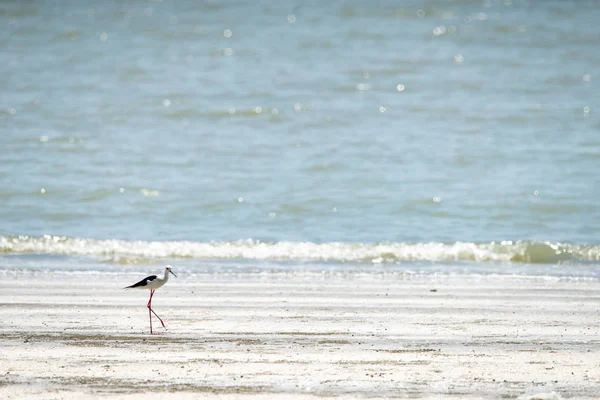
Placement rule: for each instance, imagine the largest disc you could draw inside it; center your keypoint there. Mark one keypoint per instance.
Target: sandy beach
(297, 336)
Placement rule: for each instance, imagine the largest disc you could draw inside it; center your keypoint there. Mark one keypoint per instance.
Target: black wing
(143, 282)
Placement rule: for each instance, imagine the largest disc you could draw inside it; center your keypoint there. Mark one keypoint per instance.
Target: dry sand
(290, 336)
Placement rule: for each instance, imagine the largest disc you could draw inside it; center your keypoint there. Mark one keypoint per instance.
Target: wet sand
(294, 336)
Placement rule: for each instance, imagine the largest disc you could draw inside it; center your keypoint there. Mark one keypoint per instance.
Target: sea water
(345, 135)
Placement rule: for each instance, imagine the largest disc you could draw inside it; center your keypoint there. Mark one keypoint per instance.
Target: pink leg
(151, 311)
(161, 321)
(149, 305)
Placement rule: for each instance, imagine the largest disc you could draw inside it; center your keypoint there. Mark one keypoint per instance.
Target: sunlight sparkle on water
(439, 30)
(299, 107)
(149, 193)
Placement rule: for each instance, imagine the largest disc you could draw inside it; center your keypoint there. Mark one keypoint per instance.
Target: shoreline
(353, 337)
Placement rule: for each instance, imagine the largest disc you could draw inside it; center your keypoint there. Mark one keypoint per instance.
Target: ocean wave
(134, 252)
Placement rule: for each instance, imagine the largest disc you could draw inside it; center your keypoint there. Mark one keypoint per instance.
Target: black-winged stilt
(153, 282)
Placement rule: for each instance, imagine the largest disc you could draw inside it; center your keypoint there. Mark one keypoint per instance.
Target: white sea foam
(376, 253)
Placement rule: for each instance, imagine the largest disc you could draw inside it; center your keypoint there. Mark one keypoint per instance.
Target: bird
(153, 282)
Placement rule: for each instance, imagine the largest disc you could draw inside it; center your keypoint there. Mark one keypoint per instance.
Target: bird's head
(170, 271)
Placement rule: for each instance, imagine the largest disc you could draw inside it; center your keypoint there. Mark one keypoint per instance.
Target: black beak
(173, 273)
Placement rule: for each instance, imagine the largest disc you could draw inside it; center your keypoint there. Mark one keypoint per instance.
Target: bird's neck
(166, 277)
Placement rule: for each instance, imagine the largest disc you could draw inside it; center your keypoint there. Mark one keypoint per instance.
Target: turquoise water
(347, 133)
